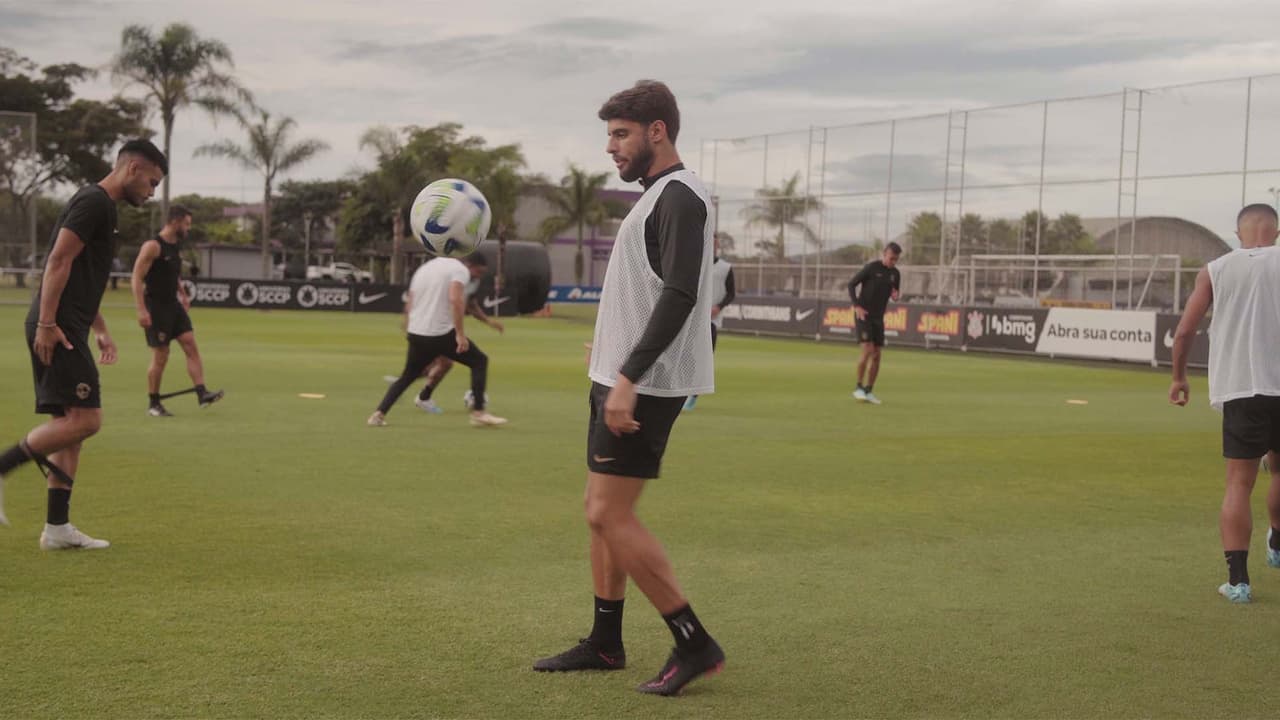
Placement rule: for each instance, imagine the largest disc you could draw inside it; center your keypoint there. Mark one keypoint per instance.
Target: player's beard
(639, 165)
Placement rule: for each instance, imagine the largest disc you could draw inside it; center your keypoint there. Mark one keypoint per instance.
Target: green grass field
(975, 547)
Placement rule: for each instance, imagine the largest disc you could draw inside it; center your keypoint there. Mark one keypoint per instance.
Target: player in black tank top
(162, 309)
(162, 278)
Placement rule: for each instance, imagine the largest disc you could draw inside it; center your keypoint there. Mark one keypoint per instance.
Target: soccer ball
(469, 399)
(450, 217)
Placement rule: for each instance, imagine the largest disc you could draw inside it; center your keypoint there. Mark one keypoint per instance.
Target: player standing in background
(62, 313)
(162, 309)
(651, 350)
(435, 310)
(722, 287)
(442, 365)
(871, 290)
(1243, 287)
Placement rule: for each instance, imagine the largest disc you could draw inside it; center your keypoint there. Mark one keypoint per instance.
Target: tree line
(785, 212)
(177, 70)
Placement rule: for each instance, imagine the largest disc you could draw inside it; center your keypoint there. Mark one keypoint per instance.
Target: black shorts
(639, 454)
(870, 330)
(72, 379)
(1250, 427)
(168, 321)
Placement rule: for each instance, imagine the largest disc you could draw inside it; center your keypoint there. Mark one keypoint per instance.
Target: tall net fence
(1125, 182)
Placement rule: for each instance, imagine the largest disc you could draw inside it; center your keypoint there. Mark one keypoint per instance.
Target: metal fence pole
(764, 189)
(1035, 272)
(942, 224)
(1244, 172)
(1133, 221)
(822, 213)
(888, 195)
(1115, 266)
(804, 238)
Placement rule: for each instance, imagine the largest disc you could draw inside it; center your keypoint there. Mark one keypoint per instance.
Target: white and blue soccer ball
(450, 217)
(469, 399)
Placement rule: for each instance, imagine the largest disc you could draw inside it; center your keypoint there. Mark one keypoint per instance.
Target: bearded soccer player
(62, 313)
(651, 350)
(162, 309)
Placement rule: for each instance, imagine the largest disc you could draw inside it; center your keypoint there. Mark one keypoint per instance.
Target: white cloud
(536, 73)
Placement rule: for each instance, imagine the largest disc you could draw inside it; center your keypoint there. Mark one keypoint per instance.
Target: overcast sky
(535, 73)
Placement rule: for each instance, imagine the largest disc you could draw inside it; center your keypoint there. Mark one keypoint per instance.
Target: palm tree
(396, 181)
(177, 69)
(782, 207)
(577, 203)
(497, 172)
(269, 152)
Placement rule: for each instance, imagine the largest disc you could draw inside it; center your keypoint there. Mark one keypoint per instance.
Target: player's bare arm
(56, 271)
(477, 312)
(106, 345)
(1197, 305)
(458, 306)
(147, 255)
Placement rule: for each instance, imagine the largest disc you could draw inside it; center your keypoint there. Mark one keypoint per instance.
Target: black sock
(59, 506)
(861, 388)
(1238, 566)
(867, 388)
(12, 458)
(606, 629)
(1274, 542)
(155, 399)
(425, 395)
(201, 391)
(685, 628)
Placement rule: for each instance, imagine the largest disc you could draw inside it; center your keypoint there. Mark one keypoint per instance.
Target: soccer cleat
(860, 395)
(586, 655)
(428, 406)
(484, 419)
(377, 419)
(158, 410)
(1241, 593)
(66, 537)
(690, 403)
(1273, 556)
(210, 398)
(871, 398)
(682, 669)
(3, 520)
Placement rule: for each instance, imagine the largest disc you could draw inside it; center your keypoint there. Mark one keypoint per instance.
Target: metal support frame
(956, 229)
(956, 185)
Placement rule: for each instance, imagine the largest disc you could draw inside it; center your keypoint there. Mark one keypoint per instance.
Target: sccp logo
(247, 294)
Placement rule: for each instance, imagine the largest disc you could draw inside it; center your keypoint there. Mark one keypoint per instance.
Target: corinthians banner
(783, 316)
(838, 320)
(269, 294)
(1103, 334)
(1003, 329)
